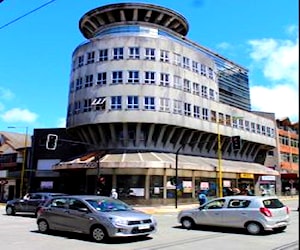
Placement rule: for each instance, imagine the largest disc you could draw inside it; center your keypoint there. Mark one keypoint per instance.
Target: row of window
(289, 157)
(137, 53)
(167, 105)
(285, 140)
(133, 77)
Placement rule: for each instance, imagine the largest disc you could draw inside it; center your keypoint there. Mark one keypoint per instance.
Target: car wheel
(43, 226)
(98, 234)
(187, 223)
(279, 229)
(254, 228)
(10, 210)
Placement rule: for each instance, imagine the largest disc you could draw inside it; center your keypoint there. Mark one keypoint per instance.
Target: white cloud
(279, 62)
(19, 115)
(6, 94)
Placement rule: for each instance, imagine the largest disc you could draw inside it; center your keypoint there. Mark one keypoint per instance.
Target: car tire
(187, 223)
(254, 228)
(43, 226)
(10, 210)
(98, 234)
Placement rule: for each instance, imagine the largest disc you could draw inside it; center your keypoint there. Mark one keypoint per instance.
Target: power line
(26, 14)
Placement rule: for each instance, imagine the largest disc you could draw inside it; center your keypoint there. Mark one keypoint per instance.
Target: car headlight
(119, 221)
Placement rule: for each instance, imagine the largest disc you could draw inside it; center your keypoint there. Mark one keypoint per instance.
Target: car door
(211, 214)
(236, 213)
(80, 216)
(33, 202)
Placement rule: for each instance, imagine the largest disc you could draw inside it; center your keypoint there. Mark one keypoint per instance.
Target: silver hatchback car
(100, 217)
(256, 214)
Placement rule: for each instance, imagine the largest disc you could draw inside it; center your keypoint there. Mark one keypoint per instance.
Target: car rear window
(273, 203)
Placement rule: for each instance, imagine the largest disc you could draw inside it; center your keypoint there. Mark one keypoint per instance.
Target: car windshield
(107, 205)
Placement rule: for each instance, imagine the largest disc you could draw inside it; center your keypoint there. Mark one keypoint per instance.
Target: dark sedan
(29, 203)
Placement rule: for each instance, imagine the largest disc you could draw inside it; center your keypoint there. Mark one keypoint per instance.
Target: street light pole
(176, 174)
(24, 161)
(220, 174)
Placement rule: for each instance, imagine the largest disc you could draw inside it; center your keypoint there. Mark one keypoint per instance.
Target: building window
(247, 125)
(80, 61)
(187, 109)
(186, 85)
(88, 81)
(210, 73)
(177, 109)
(196, 88)
(79, 83)
(117, 77)
(134, 53)
(195, 67)
(177, 82)
(205, 114)
(213, 116)
(72, 86)
(99, 103)
(197, 112)
(149, 103)
(221, 119)
(116, 103)
(164, 104)
(150, 54)
(132, 102)
(203, 69)
(228, 120)
(204, 91)
(186, 62)
(164, 56)
(118, 53)
(150, 77)
(77, 107)
(258, 129)
(164, 79)
(177, 59)
(263, 130)
(235, 123)
(87, 105)
(253, 130)
(211, 94)
(101, 78)
(90, 57)
(103, 55)
(133, 76)
(241, 123)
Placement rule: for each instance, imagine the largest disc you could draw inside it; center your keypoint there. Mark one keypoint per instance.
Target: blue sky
(37, 38)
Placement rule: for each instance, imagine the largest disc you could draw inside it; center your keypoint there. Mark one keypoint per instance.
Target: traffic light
(51, 141)
(101, 180)
(236, 142)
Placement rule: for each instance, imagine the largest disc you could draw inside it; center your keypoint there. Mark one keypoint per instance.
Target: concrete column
(147, 186)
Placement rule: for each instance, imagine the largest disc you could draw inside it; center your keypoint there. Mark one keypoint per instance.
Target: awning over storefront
(164, 160)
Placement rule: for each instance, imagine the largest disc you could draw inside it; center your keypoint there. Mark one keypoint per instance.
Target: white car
(256, 214)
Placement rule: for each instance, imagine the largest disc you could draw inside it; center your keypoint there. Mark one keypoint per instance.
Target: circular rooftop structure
(131, 13)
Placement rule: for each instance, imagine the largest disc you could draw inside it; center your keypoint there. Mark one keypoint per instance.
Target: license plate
(144, 227)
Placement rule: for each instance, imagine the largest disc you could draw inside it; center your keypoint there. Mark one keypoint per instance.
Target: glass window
(118, 53)
(116, 103)
(186, 62)
(204, 91)
(134, 52)
(186, 85)
(177, 59)
(196, 111)
(103, 55)
(203, 69)
(131, 186)
(132, 102)
(196, 88)
(101, 78)
(205, 114)
(195, 67)
(133, 76)
(164, 104)
(149, 102)
(87, 105)
(177, 82)
(90, 57)
(117, 77)
(79, 83)
(164, 56)
(187, 109)
(177, 109)
(150, 54)
(150, 77)
(80, 61)
(164, 79)
(156, 186)
(88, 81)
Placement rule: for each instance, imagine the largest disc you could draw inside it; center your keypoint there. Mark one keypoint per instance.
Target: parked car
(101, 217)
(29, 203)
(256, 214)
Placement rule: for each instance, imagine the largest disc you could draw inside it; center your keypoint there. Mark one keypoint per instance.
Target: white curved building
(141, 94)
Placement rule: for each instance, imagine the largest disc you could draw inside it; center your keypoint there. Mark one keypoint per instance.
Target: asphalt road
(20, 233)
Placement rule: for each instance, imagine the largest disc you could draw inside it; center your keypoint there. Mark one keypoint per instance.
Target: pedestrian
(114, 194)
(202, 198)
